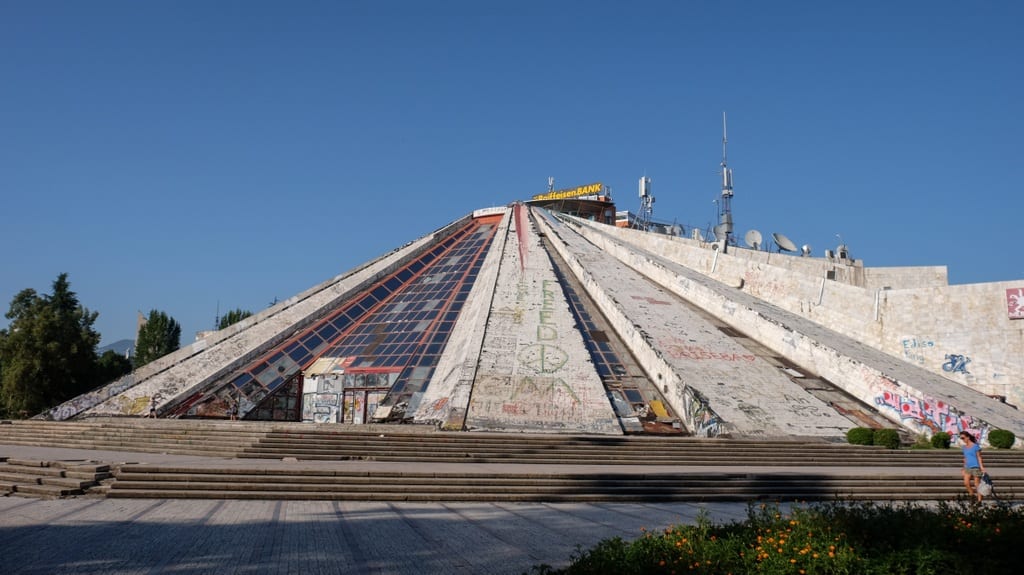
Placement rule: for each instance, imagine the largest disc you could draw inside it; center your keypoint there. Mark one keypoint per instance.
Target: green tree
(48, 352)
(232, 317)
(159, 336)
(111, 366)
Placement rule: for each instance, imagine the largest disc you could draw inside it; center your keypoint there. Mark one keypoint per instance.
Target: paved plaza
(143, 536)
(93, 535)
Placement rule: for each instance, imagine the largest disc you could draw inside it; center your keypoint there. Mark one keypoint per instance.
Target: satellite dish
(753, 239)
(697, 235)
(784, 243)
(805, 249)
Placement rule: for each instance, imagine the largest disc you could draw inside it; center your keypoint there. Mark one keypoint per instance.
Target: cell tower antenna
(725, 140)
(646, 205)
(723, 231)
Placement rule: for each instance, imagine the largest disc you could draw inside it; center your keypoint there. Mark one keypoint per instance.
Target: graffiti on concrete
(679, 350)
(956, 363)
(537, 391)
(1015, 303)
(914, 348)
(763, 286)
(552, 389)
(134, 405)
(701, 419)
(73, 407)
(930, 414)
(542, 357)
(536, 384)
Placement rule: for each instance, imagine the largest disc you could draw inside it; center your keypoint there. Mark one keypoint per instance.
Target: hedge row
(998, 438)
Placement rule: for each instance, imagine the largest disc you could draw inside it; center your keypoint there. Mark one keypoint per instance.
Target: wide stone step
(45, 490)
(722, 460)
(43, 478)
(794, 494)
(307, 442)
(456, 483)
(155, 481)
(9, 476)
(125, 439)
(68, 482)
(11, 467)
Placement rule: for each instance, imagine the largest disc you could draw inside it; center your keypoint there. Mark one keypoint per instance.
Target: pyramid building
(549, 316)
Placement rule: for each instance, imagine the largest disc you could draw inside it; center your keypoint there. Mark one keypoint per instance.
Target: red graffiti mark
(651, 300)
(699, 353)
(520, 216)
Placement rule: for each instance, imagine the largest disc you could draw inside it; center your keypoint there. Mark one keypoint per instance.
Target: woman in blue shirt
(974, 467)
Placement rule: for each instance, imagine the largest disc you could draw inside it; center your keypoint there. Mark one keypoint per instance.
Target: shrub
(922, 441)
(861, 436)
(1001, 438)
(887, 438)
(841, 537)
(940, 440)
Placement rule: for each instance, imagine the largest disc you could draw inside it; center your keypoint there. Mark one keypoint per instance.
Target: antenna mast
(723, 231)
(646, 205)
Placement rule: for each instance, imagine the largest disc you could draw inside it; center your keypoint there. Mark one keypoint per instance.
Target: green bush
(940, 440)
(861, 436)
(1001, 438)
(887, 438)
(830, 538)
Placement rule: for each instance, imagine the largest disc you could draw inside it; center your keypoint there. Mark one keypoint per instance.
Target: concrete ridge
(821, 340)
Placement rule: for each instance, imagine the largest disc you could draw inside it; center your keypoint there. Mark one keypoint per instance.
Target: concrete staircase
(184, 437)
(279, 461)
(153, 481)
(50, 479)
(312, 444)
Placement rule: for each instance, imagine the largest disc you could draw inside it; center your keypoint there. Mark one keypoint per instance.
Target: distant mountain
(123, 347)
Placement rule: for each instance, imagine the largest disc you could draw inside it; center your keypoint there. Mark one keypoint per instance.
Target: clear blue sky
(191, 156)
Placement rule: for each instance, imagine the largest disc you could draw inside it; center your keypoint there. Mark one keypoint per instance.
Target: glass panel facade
(401, 323)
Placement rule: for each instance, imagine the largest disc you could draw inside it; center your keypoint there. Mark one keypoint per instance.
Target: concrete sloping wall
(962, 332)
(912, 397)
(719, 386)
(178, 375)
(534, 371)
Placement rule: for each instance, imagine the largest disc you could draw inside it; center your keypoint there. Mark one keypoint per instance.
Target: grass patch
(830, 538)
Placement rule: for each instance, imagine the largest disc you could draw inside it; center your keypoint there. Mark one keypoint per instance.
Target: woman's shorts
(974, 471)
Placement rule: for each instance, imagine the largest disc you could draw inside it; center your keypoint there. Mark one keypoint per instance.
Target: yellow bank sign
(587, 190)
